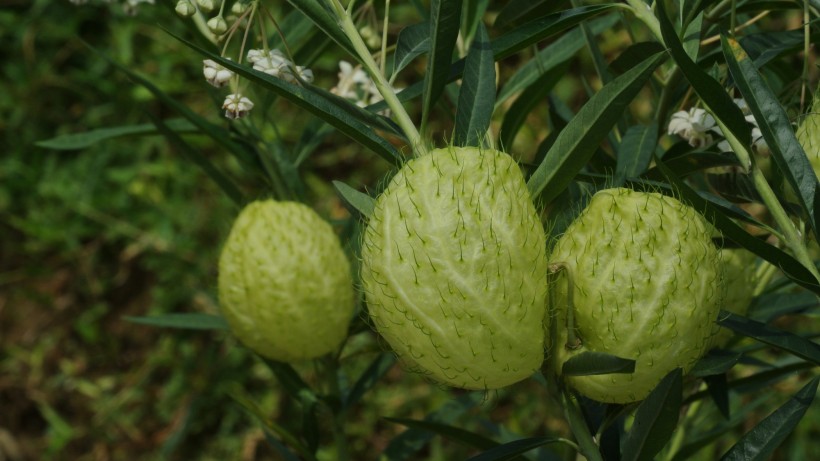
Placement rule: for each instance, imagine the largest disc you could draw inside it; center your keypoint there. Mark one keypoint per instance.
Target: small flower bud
(239, 7)
(216, 74)
(218, 25)
(236, 106)
(370, 37)
(185, 8)
(206, 5)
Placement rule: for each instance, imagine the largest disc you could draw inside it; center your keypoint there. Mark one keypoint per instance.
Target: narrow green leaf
(451, 432)
(378, 368)
(319, 12)
(533, 95)
(512, 449)
(784, 340)
(343, 115)
(408, 443)
(360, 201)
(554, 55)
(711, 92)
(596, 363)
(655, 419)
(732, 231)
(476, 98)
(704, 437)
(516, 10)
(691, 37)
(508, 44)
(714, 363)
(635, 151)
(91, 137)
(471, 17)
(445, 19)
(775, 126)
(541, 28)
(196, 157)
(577, 142)
(771, 306)
(718, 388)
(191, 321)
(295, 386)
(761, 441)
(290, 439)
(413, 41)
(215, 132)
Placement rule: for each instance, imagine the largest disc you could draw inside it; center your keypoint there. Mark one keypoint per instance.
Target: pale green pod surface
(739, 282)
(285, 286)
(808, 135)
(454, 268)
(645, 277)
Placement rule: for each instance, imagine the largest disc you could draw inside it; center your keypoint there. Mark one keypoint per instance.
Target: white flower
(693, 126)
(130, 6)
(287, 74)
(355, 85)
(760, 145)
(215, 74)
(270, 62)
(236, 106)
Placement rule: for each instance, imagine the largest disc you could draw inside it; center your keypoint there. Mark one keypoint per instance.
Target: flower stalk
(370, 66)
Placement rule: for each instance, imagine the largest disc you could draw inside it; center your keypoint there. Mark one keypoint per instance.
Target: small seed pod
(285, 286)
(454, 268)
(644, 276)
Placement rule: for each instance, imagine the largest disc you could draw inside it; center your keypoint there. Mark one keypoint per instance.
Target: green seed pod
(739, 280)
(645, 286)
(285, 286)
(454, 268)
(808, 135)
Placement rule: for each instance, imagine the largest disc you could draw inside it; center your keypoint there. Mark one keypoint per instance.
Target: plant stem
(339, 437)
(402, 118)
(792, 238)
(586, 443)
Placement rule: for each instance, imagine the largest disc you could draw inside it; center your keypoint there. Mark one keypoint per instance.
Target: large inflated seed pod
(285, 286)
(454, 268)
(645, 280)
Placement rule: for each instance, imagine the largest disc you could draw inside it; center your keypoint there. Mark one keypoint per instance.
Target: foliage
(584, 95)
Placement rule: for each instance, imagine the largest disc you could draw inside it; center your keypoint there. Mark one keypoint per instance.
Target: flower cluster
(274, 62)
(271, 62)
(356, 86)
(697, 126)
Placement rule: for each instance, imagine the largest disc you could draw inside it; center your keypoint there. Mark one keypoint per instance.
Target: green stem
(586, 442)
(792, 238)
(402, 117)
(339, 437)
